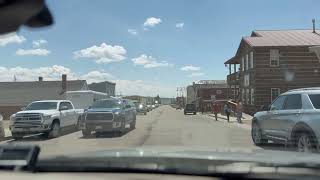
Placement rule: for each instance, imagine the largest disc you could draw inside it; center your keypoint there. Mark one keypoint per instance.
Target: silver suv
(293, 119)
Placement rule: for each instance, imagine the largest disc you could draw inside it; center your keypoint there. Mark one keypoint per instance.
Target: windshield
(42, 106)
(190, 106)
(107, 104)
(189, 75)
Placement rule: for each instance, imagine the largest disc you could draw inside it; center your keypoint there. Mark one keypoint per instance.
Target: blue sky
(209, 33)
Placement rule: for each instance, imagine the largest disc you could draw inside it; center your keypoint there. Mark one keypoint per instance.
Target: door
(286, 118)
(72, 115)
(268, 124)
(64, 121)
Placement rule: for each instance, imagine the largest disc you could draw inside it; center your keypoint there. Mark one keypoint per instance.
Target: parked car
(109, 115)
(149, 107)
(47, 117)
(292, 118)
(2, 134)
(140, 108)
(190, 108)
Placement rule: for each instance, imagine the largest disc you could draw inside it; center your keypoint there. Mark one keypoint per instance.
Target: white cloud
(149, 62)
(49, 73)
(32, 52)
(196, 74)
(190, 68)
(179, 25)
(151, 22)
(133, 31)
(139, 87)
(11, 38)
(39, 43)
(31, 74)
(102, 54)
(96, 76)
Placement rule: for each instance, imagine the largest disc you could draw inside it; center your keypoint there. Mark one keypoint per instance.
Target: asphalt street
(162, 127)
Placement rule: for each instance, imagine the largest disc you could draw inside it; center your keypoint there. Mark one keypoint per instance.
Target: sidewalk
(6, 129)
(246, 120)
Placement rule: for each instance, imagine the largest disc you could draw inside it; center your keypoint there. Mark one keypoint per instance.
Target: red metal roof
(283, 38)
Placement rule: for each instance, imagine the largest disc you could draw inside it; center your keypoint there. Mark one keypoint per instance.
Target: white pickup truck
(47, 117)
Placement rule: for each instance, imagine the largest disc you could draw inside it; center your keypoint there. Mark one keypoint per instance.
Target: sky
(147, 47)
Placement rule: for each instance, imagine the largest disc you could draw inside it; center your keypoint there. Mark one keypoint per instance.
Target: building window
(242, 63)
(218, 92)
(247, 96)
(242, 95)
(251, 59)
(252, 96)
(275, 92)
(247, 61)
(235, 92)
(274, 57)
(246, 80)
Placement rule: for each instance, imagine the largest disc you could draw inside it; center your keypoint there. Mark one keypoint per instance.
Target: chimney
(314, 25)
(64, 83)
(40, 78)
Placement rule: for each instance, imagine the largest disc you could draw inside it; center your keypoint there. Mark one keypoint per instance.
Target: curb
(233, 123)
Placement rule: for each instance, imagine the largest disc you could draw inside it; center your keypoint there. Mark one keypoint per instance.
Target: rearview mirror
(23, 108)
(14, 14)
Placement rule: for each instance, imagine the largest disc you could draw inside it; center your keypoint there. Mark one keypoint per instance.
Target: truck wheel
(55, 130)
(133, 125)
(86, 133)
(78, 124)
(256, 135)
(305, 142)
(123, 127)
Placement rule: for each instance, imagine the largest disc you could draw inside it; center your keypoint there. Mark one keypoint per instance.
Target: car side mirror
(62, 108)
(23, 108)
(265, 108)
(89, 107)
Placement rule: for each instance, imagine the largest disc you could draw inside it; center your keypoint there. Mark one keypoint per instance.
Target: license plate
(98, 127)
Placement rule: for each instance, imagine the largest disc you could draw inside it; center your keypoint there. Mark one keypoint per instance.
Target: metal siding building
(104, 87)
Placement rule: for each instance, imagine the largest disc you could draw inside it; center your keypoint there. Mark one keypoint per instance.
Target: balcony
(233, 79)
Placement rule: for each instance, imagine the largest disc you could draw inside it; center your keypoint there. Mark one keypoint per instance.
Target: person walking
(227, 110)
(215, 109)
(239, 110)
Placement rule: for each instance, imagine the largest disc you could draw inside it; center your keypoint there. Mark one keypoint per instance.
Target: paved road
(163, 127)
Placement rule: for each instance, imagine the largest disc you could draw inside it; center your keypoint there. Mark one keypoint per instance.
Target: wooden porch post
(235, 84)
(229, 88)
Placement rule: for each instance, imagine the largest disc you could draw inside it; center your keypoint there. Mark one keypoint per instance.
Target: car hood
(103, 110)
(158, 154)
(48, 112)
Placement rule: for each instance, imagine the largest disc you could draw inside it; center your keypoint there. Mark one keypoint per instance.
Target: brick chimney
(40, 78)
(64, 83)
